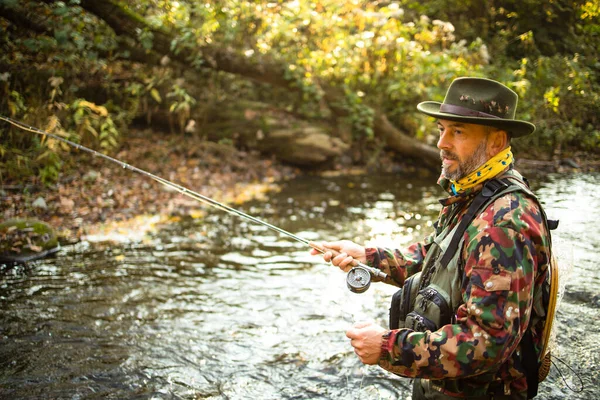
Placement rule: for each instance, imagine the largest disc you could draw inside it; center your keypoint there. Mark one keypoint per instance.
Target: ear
(498, 140)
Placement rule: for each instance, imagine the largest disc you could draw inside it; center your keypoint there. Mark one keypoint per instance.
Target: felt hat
(479, 101)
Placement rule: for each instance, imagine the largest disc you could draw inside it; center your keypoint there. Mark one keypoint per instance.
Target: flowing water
(217, 308)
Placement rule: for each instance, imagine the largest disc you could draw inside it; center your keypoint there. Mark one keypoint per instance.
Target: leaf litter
(96, 197)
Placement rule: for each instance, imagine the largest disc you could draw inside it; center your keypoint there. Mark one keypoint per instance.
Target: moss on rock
(23, 240)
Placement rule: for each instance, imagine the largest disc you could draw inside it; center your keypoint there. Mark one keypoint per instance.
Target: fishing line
(358, 278)
(581, 386)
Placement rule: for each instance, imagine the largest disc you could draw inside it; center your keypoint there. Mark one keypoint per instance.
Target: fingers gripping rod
(190, 193)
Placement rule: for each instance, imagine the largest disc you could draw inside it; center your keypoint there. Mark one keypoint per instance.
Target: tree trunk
(126, 23)
(406, 145)
(262, 69)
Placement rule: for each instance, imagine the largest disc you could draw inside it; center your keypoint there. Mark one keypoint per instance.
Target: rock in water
(23, 240)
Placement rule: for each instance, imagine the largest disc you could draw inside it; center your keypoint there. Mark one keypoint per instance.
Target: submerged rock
(23, 240)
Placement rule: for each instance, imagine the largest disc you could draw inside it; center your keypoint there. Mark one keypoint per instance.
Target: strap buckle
(492, 187)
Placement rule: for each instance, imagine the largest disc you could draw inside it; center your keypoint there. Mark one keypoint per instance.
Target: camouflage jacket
(509, 233)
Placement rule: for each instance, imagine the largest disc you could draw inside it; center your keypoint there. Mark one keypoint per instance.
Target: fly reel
(358, 280)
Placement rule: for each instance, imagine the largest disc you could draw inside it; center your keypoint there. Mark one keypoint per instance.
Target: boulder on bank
(276, 132)
(23, 240)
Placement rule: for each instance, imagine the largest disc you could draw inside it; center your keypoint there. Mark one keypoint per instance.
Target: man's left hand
(366, 338)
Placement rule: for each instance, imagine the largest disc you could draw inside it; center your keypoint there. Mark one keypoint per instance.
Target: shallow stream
(217, 308)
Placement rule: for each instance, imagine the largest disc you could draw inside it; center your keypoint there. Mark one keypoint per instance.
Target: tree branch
(25, 20)
(127, 23)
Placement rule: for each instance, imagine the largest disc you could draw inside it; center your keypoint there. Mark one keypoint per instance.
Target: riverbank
(95, 198)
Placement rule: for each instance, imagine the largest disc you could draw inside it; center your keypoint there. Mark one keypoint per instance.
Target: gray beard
(467, 166)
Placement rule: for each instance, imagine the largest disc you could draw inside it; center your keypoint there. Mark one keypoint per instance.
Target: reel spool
(358, 280)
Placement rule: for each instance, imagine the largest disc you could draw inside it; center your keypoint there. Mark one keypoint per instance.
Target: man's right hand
(348, 252)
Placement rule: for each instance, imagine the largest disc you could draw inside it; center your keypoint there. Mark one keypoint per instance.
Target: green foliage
(181, 105)
(69, 71)
(369, 51)
(145, 38)
(360, 116)
(93, 124)
(23, 155)
(41, 70)
(49, 166)
(562, 96)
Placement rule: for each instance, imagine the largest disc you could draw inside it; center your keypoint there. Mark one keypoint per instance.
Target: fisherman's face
(463, 148)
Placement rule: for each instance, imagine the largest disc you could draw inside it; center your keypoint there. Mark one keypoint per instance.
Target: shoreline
(94, 195)
(96, 198)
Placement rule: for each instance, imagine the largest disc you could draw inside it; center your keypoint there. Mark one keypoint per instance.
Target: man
(470, 314)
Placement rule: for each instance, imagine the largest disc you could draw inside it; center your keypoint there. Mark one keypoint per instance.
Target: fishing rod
(358, 278)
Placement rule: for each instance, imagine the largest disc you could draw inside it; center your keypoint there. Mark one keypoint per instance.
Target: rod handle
(319, 247)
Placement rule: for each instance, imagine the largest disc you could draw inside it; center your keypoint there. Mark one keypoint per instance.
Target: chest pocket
(431, 310)
(403, 301)
(428, 299)
(434, 304)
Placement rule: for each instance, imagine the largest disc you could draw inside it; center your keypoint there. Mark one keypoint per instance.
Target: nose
(443, 142)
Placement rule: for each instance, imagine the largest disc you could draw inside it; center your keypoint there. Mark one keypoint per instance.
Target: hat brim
(515, 128)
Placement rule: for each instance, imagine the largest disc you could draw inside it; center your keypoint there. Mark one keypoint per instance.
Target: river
(218, 308)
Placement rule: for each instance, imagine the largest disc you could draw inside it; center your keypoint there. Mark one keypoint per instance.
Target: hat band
(463, 111)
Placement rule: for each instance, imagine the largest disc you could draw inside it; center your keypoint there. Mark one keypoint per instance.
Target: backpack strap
(536, 371)
(537, 366)
(491, 189)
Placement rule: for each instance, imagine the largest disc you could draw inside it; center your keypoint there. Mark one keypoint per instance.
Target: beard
(464, 167)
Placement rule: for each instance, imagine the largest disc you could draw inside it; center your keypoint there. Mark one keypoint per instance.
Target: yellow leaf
(196, 214)
(155, 95)
(100, 110)
(120, 257)
(53, 123)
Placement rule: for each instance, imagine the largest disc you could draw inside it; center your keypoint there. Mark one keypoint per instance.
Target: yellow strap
(551, 306)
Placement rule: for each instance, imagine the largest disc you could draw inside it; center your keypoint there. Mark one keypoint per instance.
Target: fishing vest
(429, 299)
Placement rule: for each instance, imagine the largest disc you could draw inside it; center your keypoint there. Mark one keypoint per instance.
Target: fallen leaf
(196, 214)
(67, 204)
(35, 248)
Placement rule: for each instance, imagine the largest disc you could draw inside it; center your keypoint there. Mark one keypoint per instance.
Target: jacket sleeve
(397, 264)
(500, 266)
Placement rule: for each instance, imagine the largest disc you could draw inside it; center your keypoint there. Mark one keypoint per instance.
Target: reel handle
(355, 263)
(323, 249)
(358, 279)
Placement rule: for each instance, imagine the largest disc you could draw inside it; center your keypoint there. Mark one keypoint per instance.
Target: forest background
(310, 84)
